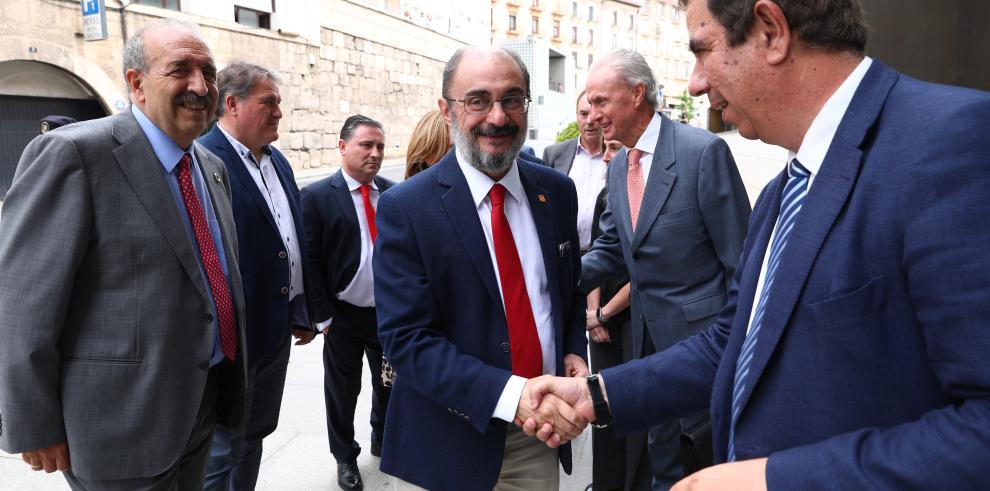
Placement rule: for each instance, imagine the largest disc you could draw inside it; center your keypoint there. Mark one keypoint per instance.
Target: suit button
(208, 317)
(284, 290)
(504, 346)
(282, 254)
(204, 366)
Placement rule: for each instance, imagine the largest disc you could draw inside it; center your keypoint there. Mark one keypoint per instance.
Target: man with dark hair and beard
(476, 269)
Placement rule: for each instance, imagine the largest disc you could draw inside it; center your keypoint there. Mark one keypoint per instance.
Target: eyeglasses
(482, 105)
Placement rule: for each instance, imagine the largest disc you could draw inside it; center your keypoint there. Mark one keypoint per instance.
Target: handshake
(557, 409)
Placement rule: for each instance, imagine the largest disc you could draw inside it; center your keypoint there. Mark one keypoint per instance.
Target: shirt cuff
(322, 326)
(508, 402)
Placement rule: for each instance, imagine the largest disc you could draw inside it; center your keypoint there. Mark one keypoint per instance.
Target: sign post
(94, 14)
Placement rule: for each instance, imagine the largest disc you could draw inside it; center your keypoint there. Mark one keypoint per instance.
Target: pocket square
(564, 249)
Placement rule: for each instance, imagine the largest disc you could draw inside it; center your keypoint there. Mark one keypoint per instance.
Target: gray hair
(455, 61)
(238, 79)
(351, 125)
(134, 56)
(634, 68)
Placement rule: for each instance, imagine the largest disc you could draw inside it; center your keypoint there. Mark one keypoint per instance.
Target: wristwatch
(603, 415)
(601, 318)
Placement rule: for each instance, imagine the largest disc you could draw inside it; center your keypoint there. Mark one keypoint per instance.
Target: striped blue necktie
(790, 205)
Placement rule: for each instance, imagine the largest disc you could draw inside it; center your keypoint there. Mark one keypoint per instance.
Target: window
(536, 4)
(252, 18)
(615, 41)
(675, 14)
(615, 18)
(575, 58)
(536, 25)
(591, 59)
(165, 4)
(512, 22)
(574, 9)
(556, 29)
(574, 38)
(591, 37)
(591, 12)
(632, 21)
(534, 134)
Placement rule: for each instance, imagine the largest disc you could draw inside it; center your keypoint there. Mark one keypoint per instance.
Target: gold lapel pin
(543, 199)
(216, 175)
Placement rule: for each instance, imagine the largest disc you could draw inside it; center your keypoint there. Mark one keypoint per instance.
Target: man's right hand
(550, 413)
(569, 392)
(49, 459)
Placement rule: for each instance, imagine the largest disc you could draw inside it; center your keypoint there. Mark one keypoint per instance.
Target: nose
(698, 85)
(197, 83)
(277, 111)
(594, 115)
(496, 116)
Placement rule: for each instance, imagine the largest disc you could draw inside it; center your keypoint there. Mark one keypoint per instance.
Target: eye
(477, 103)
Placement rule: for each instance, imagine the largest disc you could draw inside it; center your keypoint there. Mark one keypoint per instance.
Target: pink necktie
(527, 356)
(634, 184)
(210, 261)
(369, 211)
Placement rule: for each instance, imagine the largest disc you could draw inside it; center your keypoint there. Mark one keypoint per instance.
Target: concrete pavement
(297, 456)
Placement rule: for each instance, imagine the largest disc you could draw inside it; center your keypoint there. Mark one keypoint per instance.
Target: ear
(135, 80)
(444, 110)
(639, 94)
(230, 103)
(341, 145)
(773, 33)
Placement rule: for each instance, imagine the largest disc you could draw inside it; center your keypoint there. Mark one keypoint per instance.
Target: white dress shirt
(648, 144)
(361, 290)
(271, 189)
(520, 218)
(814, 146)
(588, 173)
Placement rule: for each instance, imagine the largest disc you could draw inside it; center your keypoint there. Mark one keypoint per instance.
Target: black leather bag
(696, 447)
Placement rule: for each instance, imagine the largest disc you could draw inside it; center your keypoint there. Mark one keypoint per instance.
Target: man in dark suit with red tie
(339, 218)
(476, 272)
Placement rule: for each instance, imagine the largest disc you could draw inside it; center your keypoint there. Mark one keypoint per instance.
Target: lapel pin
(216, 175)
(543, 199)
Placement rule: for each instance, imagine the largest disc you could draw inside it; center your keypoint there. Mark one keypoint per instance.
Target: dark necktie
(369, 211)
(634, 184)
(527, 355)
(210, 261)
(790, 204)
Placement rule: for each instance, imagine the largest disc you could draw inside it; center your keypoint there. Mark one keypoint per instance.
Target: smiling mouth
(720, 106)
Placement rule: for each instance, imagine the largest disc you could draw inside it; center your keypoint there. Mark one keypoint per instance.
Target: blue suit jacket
(872, 368)
(442, 323)
(263, 261)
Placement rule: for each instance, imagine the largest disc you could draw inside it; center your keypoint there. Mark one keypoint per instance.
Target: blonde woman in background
(430, 141)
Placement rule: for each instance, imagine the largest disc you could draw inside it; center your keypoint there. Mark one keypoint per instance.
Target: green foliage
(570, 131)
(686, 107)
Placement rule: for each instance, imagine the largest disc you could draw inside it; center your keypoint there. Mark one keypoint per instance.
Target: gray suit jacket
(560, 156)
(688, 237)
(104, 314)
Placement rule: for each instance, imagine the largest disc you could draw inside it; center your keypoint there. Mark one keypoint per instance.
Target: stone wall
(366, 61)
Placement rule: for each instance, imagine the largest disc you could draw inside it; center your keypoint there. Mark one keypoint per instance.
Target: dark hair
(238, 79)
(836, 25)
(352, 122)
(455, 61)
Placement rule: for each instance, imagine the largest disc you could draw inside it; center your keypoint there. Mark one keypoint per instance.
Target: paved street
(297, 456)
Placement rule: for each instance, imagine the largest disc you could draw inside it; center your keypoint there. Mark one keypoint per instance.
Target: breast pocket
(854, 307)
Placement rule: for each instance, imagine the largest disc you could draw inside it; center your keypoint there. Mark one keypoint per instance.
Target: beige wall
(367, 61)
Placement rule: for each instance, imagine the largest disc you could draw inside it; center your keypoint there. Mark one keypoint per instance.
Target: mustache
(504, 130)
(187, 97)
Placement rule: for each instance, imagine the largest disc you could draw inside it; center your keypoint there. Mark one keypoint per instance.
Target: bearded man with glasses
(476, 272)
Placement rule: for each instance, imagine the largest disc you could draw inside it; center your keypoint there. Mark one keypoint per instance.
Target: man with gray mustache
(121, 309)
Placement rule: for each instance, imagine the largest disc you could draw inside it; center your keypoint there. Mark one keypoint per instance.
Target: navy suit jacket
(264, 262)
(442, 322)
(334, 239)
(872, 367)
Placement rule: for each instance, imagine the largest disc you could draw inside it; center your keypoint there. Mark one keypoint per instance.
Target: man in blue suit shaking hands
(476, 278)
(852, 351)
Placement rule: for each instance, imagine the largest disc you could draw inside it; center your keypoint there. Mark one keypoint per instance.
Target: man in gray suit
(676, 219)
(121, 310)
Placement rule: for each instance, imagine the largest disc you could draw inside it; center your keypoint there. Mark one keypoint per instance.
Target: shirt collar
(241, 149)
(168, 152)
(648, 140)
(353, 184)
(581, 149)
(480, 184)
(819, 137)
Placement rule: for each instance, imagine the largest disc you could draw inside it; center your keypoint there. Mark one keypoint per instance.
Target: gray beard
(491, 164)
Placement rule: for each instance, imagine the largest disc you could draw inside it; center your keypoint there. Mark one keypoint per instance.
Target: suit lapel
(239, 173)
(826, 199)
(618, 193)
(342, 195)
(658, 184)
(146, 176)
(570, 151)
(462, 212)
(219, 194)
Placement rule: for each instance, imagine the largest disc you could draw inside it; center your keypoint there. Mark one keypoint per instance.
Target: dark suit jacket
(687, 241)
(871, 371)
(105, 318)
(560, 156)
(443, 327)
(264, 262)
(333, 238)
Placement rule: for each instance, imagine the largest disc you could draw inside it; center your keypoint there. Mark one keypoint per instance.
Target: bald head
(479, 53)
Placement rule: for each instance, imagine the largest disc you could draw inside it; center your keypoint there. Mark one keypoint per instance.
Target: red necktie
(634, 184)
(369, 211)
(210, 261)
(527, 355)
